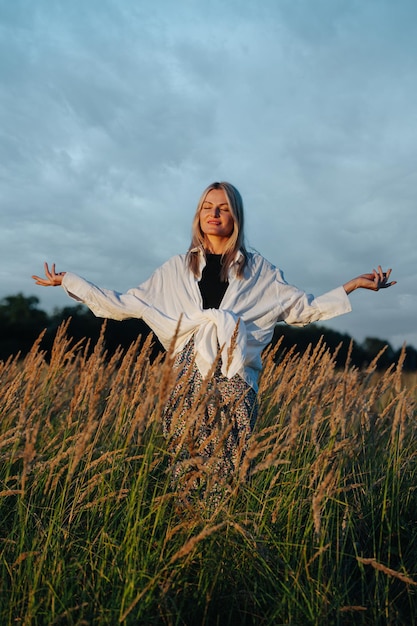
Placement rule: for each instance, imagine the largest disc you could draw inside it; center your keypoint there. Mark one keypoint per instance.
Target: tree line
(22, 321)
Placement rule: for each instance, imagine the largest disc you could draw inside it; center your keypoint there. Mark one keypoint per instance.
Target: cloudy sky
(116, 114)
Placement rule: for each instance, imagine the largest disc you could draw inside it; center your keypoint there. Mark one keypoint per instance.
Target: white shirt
(170, 303)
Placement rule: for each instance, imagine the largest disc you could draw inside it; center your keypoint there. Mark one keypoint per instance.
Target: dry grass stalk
(178, 528)
(168, 372)
(11, 492)
(83, 444)
(386, 570)
(232, 346)
(328, 457)
(10, 437)
(405, 408)
(29, 452)
(23, 556)
(269, 462)
(322, 493)
(294, 426)
(190, 545)
(374, 363)
(114, 496)
(318, 553)
(397, 378)
(184, 551)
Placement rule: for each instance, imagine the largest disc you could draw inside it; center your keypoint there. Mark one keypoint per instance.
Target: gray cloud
(114, 120)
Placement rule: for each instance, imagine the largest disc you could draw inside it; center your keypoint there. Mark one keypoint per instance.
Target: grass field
(318, 525)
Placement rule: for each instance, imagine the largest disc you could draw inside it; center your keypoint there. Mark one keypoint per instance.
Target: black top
(212, 288)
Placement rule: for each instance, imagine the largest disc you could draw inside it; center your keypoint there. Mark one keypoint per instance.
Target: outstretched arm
(53, 278)
(102, 302)
(375, 281)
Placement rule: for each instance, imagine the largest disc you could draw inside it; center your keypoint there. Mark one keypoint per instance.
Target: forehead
(216, 196)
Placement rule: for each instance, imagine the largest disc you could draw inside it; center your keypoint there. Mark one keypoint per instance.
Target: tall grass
(317, 526)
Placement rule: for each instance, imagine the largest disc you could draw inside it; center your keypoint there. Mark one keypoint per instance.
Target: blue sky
(116, 114)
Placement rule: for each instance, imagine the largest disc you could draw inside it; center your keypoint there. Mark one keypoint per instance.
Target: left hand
(375, 281)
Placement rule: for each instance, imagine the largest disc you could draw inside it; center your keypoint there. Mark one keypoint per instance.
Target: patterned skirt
(207, 423)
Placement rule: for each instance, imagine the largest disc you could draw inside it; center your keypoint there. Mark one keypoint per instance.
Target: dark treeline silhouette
(21, 323)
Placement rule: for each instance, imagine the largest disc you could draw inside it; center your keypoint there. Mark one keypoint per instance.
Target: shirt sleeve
(104, 302)
(299, 308)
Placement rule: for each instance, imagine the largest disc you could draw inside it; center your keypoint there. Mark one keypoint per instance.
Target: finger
(38, 279)
(43, 282)
(376, 280)
(47, 272)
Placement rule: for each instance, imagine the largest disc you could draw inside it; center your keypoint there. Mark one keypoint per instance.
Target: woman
(217, 296)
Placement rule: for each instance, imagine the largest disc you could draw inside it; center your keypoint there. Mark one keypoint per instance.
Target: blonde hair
(235, 241)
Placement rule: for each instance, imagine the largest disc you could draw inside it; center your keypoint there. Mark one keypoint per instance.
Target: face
(216, 221)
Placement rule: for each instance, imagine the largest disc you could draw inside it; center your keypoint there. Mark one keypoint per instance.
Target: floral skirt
(207, 423)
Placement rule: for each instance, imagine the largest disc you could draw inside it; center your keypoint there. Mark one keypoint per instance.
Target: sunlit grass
(316, 527)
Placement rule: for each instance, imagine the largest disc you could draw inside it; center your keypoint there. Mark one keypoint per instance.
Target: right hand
(53, 278)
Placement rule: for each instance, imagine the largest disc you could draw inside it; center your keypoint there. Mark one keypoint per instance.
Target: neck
(216, 245)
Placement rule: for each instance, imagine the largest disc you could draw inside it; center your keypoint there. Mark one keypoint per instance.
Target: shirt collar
(200, 250)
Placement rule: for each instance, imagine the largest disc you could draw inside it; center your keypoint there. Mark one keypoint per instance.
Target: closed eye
(224, 208)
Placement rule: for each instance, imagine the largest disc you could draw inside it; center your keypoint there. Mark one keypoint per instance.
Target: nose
(215, 211)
